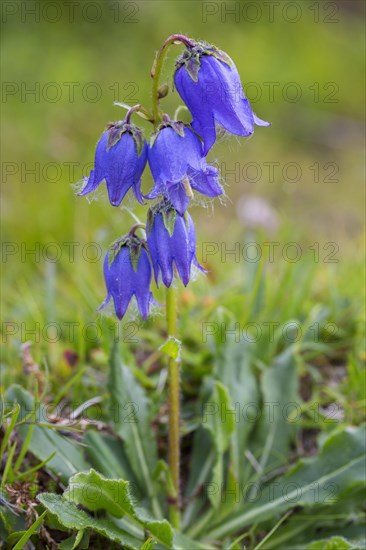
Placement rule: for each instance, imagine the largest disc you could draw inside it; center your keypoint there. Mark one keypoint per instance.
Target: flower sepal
(191, 58)
(135, 245)
(169, 219)
(117, 129)
(168, 213)
(177, 125)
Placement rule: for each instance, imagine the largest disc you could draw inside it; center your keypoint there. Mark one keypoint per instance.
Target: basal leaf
(130, 414)
(148, 544)
(316, 482)
(201, 464)
(107, 456)
(344, 519)
(74, 542)
(95, 492)
(45, 441)
(275, 430)
(234, 369)
(218, 419)
(69, 515)
(334, 543)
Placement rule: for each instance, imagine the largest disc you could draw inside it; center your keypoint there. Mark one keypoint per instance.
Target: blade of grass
(27, 535)
(68, 385)
(13, 418)
(38, 467)
(273, 530)
(7, 468)
(24, 449)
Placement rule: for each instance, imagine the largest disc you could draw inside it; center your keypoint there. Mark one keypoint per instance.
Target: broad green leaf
(7, 522)
(72, 542)
(45, 441)
(219, 416)
(79, 540)
(130, 415)
(107, 456)
(96, 492)
(11, 519)
(281, 403)
(163, 475)
(148, 544)
(172, 348)
(69, 515)
(334, 543)
(255, 287)
(344, 518)
(202, 460)
(201, 464)
(182, 542)
(219, 420)
(316, 482)
(235, 371)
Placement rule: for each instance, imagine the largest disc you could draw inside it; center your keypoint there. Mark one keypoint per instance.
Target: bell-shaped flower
(171, 240)
(120, 159)
(209, 84)
(127, 273)
(178, 165)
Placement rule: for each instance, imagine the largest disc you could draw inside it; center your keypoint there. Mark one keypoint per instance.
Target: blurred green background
(301, 64)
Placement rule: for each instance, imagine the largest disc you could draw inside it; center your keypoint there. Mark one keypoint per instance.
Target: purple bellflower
(209, 84)
(171, 240)
(127, 273)
(120, 159)
(178, 165)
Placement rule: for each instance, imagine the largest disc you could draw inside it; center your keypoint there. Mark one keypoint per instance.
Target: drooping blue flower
(127, 273)
(209, 84)
(120, 159)
(178, 165)
(171, 240)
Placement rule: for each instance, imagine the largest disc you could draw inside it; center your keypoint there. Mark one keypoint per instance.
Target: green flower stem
(174, 410)
(157, 68)
(171, 313)
(135, 227)
(131, 111)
